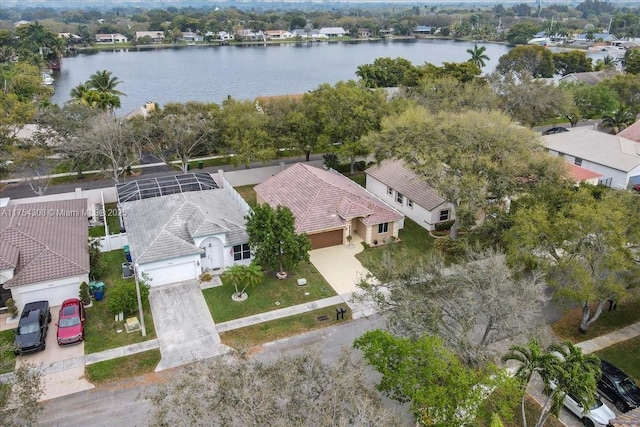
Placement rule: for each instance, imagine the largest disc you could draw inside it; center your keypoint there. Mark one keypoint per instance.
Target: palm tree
(619, 120)
(79, 94)
(478, 56)
(606, 63)
(239, 275)
(531, 358)
(102, 81)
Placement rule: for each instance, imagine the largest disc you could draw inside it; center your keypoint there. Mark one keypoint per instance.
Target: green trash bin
(200, 165)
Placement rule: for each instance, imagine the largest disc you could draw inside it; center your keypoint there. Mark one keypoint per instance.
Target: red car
(71, 322)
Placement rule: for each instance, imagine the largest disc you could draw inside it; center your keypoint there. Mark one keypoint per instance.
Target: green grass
(415, 241)
(113, 220)
(263, 298)
(625, 355)
(251, 336)
(8, 358)
(123, 367)
(626, 313)
(248, 194)
(359, 178)
(97, 231)
(101, 328)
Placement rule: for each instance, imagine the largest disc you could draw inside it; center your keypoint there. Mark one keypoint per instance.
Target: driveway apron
(184, 325)
(64, 382)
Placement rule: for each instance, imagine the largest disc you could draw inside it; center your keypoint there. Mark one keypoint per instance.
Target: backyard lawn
(271, 294)
(626, 313)
(624, 355)
(8, 358)
(251, 336)
(248, 194)
(101, 328)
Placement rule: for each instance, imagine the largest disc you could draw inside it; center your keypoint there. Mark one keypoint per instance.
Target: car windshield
(626, 385)
(28, 329)
(67, 322)
(596, 404)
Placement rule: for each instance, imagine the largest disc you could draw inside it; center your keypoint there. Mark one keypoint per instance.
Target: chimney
(221, 178)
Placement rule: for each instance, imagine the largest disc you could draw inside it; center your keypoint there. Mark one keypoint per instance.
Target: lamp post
(135, 276)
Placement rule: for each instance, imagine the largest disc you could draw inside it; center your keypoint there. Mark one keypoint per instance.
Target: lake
(212, 73)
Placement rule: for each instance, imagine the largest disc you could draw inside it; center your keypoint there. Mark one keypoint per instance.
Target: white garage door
(55, 294)
(171, 273)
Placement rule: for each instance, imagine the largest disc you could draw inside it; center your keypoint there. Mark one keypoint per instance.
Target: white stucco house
(178, 231)
(615, 157)
(401, 188)
(43, 251)
(333, 31)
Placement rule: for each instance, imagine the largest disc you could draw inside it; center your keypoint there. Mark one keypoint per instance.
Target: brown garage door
(323, 240)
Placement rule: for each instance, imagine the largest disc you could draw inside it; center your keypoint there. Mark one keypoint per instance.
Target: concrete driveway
(340, 267)
(184, 325)
(64, 382)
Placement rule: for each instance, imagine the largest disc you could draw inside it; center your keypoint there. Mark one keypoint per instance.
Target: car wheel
(587, 422)
(620, 405)
(44, 345)
(49, 318)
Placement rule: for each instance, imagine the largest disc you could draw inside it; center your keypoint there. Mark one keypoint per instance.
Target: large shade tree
(584, 240)
(470, 305)
(273, 239)
(530, 60)
(440, 390)
(347, 112)
(469, 158)
(293, 390)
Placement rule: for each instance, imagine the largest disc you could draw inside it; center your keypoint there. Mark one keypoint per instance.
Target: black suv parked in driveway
(616, 386)
(32, 328)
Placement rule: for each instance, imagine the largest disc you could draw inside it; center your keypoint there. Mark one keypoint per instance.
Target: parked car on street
(599, 415)
(32, 328)
(71, 322)
(618, 387)
(553, 130)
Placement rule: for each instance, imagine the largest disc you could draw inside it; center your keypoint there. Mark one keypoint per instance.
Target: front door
(212, 259)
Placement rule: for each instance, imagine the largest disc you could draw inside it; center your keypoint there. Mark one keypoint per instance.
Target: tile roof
(598, 147)
(588, 77)
(323, 200)
(580, 174)
(164, 227)
(394, 174)
(631, 132)
(50, 238)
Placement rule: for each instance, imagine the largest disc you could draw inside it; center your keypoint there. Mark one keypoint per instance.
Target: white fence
(113, 242)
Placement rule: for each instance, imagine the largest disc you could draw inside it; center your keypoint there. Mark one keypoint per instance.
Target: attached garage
(326, 239)
(163, 273)
(55, 291)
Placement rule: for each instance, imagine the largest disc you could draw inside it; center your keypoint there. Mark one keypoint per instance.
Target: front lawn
(123, 367)
(415, 241)
(624, 355)
(263, 298)
(251, 336)
(626, 313)
(8, 358)
(101, 328)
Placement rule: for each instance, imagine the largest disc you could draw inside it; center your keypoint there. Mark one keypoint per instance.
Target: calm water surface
(211, 73)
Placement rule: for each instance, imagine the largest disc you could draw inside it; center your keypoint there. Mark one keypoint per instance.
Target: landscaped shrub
(123, 297)
(451, 247)
(445, 225)
(85, 295)
(11, 307)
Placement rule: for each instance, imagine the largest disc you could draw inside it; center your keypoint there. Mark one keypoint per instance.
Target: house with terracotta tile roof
(614, 156)
(631, 132)
(394, 183)
(177, 231)
(43, 251)
(328, 206)
(579, 175)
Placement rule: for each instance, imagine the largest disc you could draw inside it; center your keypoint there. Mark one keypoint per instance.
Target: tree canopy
(273, 239)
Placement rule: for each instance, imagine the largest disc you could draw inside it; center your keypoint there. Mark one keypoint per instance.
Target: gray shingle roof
(394, 174)
(164, 227)
(50, 237)
(319, 199)
(598, 147)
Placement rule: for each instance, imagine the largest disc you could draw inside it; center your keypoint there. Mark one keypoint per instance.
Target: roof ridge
(304, 217)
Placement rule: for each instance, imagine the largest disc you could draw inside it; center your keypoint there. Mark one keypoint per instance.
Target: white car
(599, 415)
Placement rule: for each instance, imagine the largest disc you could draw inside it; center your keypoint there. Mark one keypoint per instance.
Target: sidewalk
(603, 341)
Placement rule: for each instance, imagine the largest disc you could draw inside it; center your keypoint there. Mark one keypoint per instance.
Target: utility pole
(135, 276)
